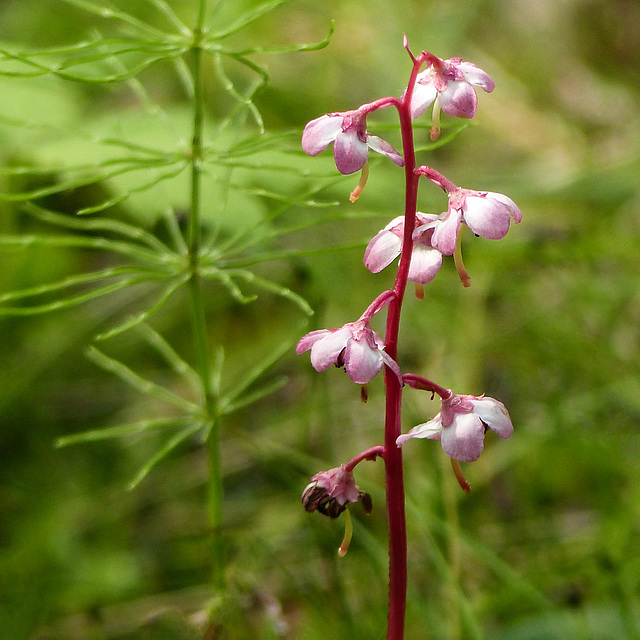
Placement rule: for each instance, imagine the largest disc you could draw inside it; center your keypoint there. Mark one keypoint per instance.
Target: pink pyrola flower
(386, 245)
(487, 214)
(452, 82)
(351, 142)
(355, 346)
(330, 491)
(462, 424)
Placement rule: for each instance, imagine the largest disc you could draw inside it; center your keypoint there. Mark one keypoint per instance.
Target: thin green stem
(198, 312)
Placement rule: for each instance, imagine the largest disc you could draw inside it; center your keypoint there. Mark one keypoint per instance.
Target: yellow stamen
(434, 132)
(364, 176)
(348, 533)
(462, 481)
(465, 278)
(419, 291)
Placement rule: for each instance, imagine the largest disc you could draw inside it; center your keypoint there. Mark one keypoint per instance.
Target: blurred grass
(546, 546)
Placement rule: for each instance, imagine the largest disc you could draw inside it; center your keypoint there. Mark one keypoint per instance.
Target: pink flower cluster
(450, 86)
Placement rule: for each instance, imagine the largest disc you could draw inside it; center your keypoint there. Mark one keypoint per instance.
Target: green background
(546, 546)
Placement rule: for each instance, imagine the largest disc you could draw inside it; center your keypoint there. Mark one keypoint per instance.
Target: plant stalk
(197, 307)
(394, 479)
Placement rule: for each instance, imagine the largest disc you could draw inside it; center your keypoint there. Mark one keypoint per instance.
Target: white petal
(425, 264)
(384, 247)
(381, 146)
(430, 430)
(487, 217)
(423, 96)
(445, 232)
(495, 415)
(325, 352)
(361, 362)
(476, 76)
(464, 439)
(306, 342)
(320, 132)
(515, 212)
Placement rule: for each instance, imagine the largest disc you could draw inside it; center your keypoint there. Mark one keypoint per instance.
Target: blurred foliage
(546, 547)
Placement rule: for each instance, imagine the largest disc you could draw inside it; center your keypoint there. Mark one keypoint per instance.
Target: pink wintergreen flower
(487, 214)
(452, 82)
(330, 491)
(461, 425)
(386, 245)
(351, 142)
(355, 346)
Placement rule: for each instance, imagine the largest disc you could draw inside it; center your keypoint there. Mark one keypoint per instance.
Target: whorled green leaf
(123, 430)
(108, 225)
(144, 315)
(141, 384)
(177, 364)
(165, 450)
(108, 11)
(231, 399)
(244, 20)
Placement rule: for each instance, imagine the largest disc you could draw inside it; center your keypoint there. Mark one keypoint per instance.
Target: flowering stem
(368, 454)
(437, 178)
(394, 480)
(418, 382)
(197, 306)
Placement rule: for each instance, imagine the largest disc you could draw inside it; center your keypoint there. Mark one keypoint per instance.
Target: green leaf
(164, 451)
(139, 383)
(240, 386)
(246, 19)
(171, 357)
(123, 430)
(143, 316)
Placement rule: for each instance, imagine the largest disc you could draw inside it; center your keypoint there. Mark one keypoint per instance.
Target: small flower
(330, 491)
(487, 214)
(462, 424)
(452, 82)
(386, 245)
(351, 142)
(355, 346)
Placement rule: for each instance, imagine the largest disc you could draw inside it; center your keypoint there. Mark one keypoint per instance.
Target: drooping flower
(354, 346)
(330, 491)
(386, 245)
(487, 214)
(351, 141)
(452, 82)
(461, 425)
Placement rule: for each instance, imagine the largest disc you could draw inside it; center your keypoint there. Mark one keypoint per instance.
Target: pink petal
(320, 132)
(383, 248)
(495, 415)
(350, 152)
(477, 77)
(512, 207)
(381, 146)
(445, 232)
(306, 342)
(464, 439)
(487, 217)
(425, 264)
(325, 351)
(431, 430)
(423, 96)
(361, 362)
(459, 99)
